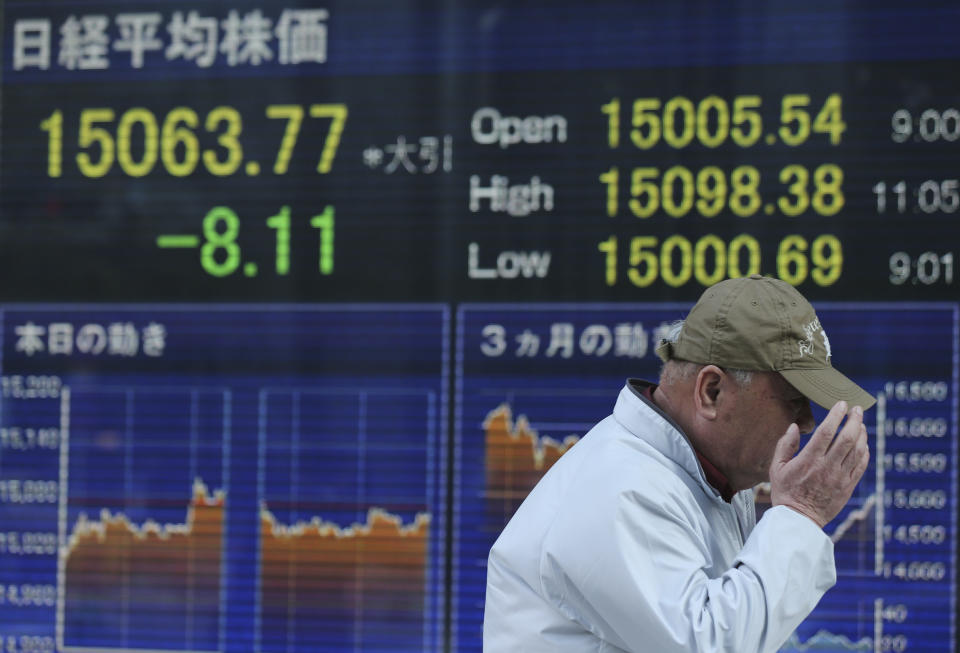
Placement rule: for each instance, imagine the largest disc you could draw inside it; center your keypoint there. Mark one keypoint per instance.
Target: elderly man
(643, 537)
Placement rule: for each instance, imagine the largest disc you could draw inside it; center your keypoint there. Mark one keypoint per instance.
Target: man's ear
(707, 391)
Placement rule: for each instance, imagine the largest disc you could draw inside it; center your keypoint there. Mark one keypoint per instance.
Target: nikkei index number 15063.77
(183, 143)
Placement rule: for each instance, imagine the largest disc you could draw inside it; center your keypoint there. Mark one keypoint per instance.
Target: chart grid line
(880, 487)
(62, 545)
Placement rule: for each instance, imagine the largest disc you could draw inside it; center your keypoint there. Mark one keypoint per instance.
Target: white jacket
(624, 546)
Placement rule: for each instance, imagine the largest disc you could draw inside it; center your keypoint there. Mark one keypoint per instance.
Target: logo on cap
(810, 330)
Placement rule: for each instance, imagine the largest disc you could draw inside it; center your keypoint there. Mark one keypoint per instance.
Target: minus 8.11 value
(220, 253)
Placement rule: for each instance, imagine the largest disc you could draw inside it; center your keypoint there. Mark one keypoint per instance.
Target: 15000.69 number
(708, 260)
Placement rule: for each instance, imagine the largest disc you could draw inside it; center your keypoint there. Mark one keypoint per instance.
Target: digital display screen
(300, 300)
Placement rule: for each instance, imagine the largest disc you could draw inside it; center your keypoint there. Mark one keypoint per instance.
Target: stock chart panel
(160, 492)
(402, 174)
(532, 380)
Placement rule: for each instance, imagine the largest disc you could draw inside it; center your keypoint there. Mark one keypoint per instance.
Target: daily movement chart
(290, 500)
(532, 381)
(331, 570)
(143, 527)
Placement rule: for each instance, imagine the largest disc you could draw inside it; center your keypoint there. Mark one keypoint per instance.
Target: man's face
(756, 419)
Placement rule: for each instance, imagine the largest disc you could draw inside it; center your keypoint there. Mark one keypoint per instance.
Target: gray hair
(677, 369)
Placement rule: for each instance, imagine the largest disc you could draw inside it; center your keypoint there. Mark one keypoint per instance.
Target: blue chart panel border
(242, 351)
(513, 374)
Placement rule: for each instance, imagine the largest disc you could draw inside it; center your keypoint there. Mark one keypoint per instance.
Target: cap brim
(827, 386)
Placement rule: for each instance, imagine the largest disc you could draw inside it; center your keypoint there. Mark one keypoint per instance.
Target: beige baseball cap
(760, 323)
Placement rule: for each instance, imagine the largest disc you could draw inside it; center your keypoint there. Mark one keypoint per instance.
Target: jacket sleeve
(644, 585)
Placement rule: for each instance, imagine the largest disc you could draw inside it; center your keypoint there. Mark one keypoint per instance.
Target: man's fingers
(823, 435)
(862, 461)
(846, 439)
(787, 445)
(855, 464)
(856, 452)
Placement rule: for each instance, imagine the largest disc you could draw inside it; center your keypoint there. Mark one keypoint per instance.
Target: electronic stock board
(284, 284)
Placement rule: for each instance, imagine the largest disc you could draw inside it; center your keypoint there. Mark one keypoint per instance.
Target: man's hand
(819, 480)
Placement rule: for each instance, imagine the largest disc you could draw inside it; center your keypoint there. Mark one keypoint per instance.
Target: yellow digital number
(668, 192)
(293, 114)
(708, 260)
(671, 278)
(826, 255)
(338, 113)
(685, 108)
(700, 260)
(796, 177)
(644, 116)
(830, 119)
(640, 186)
(711, 191)
(792, 260)
(177, 133)
(737, 245)
(827, 267)
(90, 135)
(144, 117)
(745, 198)
(612, 109)
(609, 247)
(639, 256)
(612, 180)
(747, 122)
(828, 194)
(54, 128)
(228, 139)
(719, 106)
(793, 110)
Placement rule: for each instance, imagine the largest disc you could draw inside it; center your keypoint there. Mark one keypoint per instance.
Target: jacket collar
(645, 420)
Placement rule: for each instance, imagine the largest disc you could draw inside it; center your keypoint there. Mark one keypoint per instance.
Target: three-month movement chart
(532, 380)
(292, 499)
